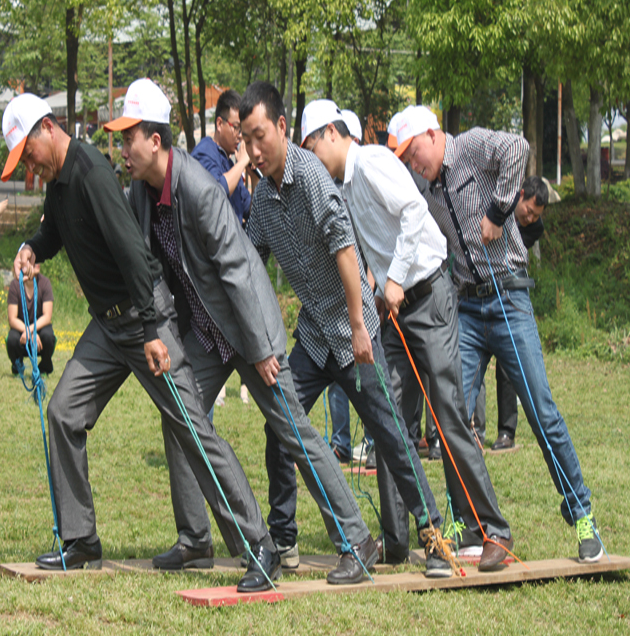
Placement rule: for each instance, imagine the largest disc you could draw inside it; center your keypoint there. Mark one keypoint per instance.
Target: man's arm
(351, 279)
(14, 321)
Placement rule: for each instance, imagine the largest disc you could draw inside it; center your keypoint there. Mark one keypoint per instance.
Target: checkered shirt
(202, 325)
(305, 224)
(482, 173)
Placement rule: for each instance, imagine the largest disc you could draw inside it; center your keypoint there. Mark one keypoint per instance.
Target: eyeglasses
(235, 127)
(321, 134)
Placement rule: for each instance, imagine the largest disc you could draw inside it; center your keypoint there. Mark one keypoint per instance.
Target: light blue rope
(182, 407)
(345, 544)
(38, 389)
(556, 463)
(326, 419)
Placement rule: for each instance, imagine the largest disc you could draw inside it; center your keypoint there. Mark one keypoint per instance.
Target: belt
(117, 310)
(423, 288)
(518, 280)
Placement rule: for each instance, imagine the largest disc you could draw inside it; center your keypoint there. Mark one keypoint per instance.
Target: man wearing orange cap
(133, 330)
(476, 183)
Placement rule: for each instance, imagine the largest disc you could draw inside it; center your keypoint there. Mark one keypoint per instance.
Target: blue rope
(556, 463)
(182, 407)
(326, 419)
(345, 545)
(38, 390)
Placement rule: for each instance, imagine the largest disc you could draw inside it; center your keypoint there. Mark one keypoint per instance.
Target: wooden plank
(417, 581)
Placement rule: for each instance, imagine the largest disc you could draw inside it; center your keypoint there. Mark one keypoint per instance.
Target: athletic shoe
(361, 451)
(435, 451)
(464, 541)
(438, 566)
(244, 394)
(590, 546)
(289, 556)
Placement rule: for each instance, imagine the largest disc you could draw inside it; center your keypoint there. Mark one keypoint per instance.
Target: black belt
(117, 310)
(518, 280)
(423, 288)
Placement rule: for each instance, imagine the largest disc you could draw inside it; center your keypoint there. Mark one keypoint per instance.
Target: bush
(101, 139)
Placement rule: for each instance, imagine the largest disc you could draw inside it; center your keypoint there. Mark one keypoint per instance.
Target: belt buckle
(112, 312)
(484, 289)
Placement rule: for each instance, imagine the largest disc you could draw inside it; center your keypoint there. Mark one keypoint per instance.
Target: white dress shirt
(399, 237)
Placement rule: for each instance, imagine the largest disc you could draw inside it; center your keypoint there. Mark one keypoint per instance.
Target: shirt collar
(449, 158)
(66, 169)
(165, 199)
(351, 158)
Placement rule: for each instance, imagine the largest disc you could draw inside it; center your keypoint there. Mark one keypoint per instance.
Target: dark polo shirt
(87, 212)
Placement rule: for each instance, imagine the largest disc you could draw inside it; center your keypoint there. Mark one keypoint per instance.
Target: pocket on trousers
(442, 300)
(519, 300)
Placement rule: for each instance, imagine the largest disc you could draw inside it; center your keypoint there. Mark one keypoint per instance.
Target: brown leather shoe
(494, 554)
(391, 559)
(504, 442)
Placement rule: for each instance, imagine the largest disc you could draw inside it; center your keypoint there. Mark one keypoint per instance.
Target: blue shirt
(214, 159)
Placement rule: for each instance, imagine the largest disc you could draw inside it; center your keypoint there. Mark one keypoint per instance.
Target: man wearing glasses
(214, 154)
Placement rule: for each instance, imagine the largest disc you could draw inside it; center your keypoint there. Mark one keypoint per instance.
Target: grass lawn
(130, 483)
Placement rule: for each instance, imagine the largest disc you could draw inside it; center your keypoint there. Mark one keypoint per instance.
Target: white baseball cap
(392, 129)
(353, 124)
(144, 101)
(22, 113)
(318, 113)
(414, 121)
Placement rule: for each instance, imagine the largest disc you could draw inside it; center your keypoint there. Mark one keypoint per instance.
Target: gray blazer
(221, 262)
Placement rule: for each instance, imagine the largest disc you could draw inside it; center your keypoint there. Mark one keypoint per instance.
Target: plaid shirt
(482, 175)
(203, 326)
(305, 225)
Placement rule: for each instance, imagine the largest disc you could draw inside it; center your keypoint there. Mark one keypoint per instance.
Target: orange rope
(486, 538)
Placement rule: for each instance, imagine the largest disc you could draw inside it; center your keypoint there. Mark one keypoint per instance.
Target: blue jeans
(340, 416)
(483, 333)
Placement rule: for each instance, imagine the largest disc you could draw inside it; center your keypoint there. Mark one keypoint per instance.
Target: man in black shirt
(133, 330)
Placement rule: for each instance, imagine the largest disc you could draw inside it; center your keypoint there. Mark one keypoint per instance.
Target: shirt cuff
(496, 215)
(150, 331)
(398, 271)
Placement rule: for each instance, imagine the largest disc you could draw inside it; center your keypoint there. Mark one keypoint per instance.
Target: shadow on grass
(155, 459)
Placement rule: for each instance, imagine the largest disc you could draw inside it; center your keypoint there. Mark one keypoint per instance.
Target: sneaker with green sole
(590, 545)
(464, 541)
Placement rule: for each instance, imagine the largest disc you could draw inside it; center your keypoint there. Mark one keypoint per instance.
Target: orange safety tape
(486, 538)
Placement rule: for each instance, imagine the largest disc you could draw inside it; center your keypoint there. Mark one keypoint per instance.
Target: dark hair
(262, 93)
(227, 101)
(164, 130)
(36, 130)
(340, 125)
(535, 186)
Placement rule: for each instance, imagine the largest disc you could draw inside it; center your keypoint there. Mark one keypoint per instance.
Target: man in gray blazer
(235, 322)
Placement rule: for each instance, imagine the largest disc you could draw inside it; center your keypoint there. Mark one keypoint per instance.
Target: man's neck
(62, 143)
(279, 172)
(157, 175)
(218, 143)
(344, 148)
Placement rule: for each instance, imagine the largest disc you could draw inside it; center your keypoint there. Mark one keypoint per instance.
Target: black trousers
(17, 351)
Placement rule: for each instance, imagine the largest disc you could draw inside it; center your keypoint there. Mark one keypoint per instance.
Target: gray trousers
(211, 375)
(430, 328)
(107, 352)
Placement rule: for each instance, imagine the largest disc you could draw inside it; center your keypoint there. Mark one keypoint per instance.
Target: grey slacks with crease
(211, 375)
(430, 329)
(105, 355)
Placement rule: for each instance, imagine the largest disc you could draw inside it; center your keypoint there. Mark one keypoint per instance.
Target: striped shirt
(481, 175)
(305, 224)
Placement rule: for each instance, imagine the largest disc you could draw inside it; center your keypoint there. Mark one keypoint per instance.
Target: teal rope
(325, 419)
(449, 512)
(38, 390)
(171, 385)
(345, 544)
(381, 379)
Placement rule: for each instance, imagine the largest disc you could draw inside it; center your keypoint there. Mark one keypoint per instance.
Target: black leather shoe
(77, 554)
(435, 450)
(254, 580)
(182, 557)
(349, 570)
(504, 442)
(390, 558)
(370, 462)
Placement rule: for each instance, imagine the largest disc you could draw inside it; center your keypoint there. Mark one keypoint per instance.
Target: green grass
(130, 483)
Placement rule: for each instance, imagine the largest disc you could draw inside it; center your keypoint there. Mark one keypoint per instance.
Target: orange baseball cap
(413, 121)
(144, 101)
(22, 113)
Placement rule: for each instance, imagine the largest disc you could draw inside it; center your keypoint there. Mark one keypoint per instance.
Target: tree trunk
(594, 151)
(529, 119)
(573, 139)
(288, 102)
(540, 116)
(200, 78)
(453, 117)
(190, 132)
(283, 70)
(300, 99)
(418, 86)
(73, 27)
(186, 124)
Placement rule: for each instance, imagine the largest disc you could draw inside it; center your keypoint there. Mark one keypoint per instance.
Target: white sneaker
(220, 401)
(361, 451)
(289, 556)
(244, 394)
